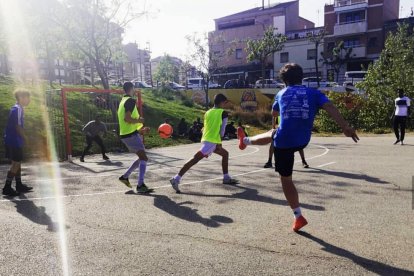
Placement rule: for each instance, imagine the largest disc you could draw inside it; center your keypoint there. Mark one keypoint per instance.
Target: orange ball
(165, 131)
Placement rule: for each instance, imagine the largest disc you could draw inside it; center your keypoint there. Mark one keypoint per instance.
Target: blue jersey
(297, 106)
(12, 137)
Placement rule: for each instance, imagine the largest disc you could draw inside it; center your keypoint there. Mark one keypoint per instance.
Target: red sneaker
(240, 136)
(299, 223)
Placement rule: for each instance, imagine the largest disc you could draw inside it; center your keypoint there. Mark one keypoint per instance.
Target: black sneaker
(305, 165)
(81, 159)
(143, 189)
(10, 192)
(105, 157)
(21, 188)
(125, 181)
(396, 142)
(267, 165)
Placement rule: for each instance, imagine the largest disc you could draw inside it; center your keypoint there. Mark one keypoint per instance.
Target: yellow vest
(124, 127)
(212, 125)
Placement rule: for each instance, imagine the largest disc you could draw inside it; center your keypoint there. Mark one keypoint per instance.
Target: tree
(205, 59)
(337, 58)
(3, 49)
(394, 69)
(261, 49)
(317, 39)
(93, 29)
(167, 70)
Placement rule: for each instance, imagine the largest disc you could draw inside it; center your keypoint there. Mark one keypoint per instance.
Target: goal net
(70, 109)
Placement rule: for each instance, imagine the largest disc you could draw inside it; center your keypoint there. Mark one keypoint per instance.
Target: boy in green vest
(130, 126)
(215, 121)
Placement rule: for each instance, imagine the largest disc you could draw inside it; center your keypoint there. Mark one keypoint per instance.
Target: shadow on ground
(370, 265)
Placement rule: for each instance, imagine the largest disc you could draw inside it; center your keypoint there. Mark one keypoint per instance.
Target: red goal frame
(66, 90)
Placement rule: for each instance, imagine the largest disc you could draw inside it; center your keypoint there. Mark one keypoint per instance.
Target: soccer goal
(70, 109)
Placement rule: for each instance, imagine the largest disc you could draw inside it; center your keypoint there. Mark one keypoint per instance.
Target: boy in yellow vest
(215, 121)
(130, 126)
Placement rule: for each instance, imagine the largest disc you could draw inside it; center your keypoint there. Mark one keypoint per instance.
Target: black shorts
(284, 160)
(14, 153)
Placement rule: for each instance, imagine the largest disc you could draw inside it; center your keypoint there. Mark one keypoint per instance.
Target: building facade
(359, 24)
(233, 31)
(300, 50)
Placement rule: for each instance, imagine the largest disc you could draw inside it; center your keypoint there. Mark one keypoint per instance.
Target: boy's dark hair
(291, 74)
(127, 86)
(219, 98)
(400, 91)
(19, 93)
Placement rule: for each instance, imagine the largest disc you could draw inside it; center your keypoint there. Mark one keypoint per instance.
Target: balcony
(346, 28)
(359, 52)
(348, 5)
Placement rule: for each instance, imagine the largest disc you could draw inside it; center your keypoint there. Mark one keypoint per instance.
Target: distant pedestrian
(92, 131)
(399, 116)
(182, 128)
(14, 140)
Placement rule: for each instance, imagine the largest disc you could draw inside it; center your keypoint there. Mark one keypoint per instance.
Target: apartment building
(137, 65)
(300, 50)
(359, 24)
(232, 32)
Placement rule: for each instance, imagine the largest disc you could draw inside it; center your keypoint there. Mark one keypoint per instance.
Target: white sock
(226, 176)
(177, 178)
(246, 141)
(297, 212)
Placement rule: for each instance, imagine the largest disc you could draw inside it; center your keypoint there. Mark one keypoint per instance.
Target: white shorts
(207, 148)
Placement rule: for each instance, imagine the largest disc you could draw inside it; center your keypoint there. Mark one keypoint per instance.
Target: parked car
(353, 77)
(269, 83)
(198, 83)
(234, 83)
(175, 86)
(141, 84)
(313, 82)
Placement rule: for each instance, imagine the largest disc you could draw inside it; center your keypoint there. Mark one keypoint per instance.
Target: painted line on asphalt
(327, 164)
(159, 187)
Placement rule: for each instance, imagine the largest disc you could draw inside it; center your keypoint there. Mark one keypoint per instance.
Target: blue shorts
(134, 143)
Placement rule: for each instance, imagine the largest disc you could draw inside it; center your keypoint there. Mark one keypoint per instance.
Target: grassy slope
(82, 108)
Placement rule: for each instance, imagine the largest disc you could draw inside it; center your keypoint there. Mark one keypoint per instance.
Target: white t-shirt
(401, 106)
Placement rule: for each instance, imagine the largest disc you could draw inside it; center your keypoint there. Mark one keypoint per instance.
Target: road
(358, 199)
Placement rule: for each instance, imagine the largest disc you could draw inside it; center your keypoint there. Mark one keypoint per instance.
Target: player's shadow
(253, 194)
(182, 210)
(347, 175)
(370, 265)
(110, 163)
(36, 214)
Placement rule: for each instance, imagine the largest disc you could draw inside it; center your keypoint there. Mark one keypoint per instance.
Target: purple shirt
(12, 137)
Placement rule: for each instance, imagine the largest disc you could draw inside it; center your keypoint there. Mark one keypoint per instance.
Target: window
(239, 53)
(284, 57)
(352, 43)
(372, 42)
(311, 54)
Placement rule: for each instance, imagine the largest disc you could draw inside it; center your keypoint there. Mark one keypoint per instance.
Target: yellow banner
(247, 98)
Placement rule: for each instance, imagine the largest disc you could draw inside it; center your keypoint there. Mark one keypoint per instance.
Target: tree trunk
(263, 72)
(102, 74)
(206, 90)
(316, 63)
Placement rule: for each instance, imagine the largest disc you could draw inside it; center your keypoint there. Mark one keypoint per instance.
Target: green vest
(124, 127)
(212, 125)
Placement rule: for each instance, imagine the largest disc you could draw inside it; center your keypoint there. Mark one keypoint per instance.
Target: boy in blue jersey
(297, 106)
(14, 139)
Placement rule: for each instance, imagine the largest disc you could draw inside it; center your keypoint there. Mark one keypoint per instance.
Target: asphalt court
(356, 197)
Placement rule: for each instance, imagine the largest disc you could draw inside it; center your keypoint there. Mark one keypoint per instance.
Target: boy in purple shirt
(14, 139)
(297, 106)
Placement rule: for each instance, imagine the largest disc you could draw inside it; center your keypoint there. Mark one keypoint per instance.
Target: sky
(167, 22)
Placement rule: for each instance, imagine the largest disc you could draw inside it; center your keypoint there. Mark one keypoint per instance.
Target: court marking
(327, 164)
(159, 187)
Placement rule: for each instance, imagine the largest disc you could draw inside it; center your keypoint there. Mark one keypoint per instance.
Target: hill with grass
(82, 107)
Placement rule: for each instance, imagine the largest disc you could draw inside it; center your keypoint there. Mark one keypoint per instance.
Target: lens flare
(22, 58)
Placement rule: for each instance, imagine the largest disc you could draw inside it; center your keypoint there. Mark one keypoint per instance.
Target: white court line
(159, 187)
(256, 149)
(327, 164)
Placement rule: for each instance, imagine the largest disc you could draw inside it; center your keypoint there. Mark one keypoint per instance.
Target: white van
(352, 77)
(198, 83)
